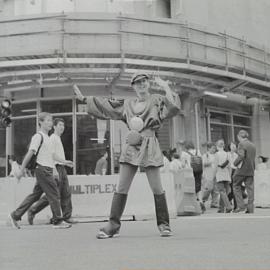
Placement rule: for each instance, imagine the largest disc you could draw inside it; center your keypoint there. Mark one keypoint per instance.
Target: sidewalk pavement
(211, 241)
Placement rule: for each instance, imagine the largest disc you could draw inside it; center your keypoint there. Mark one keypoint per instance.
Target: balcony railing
(65, 40)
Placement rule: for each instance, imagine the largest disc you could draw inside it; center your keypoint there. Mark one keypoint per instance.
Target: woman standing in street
(143, 115)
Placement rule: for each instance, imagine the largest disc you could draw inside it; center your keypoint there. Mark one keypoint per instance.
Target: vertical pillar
(189, 119)
(178, 130)
(74, 135)
(261, 129)
(9, 145)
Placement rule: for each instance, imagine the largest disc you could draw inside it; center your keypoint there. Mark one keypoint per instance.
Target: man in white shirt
(41, 146)
(223, 177)
(60, 163)
(209, 177)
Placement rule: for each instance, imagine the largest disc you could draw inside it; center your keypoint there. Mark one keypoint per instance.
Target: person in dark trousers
(64, 189)
(244, 173)
(143, 116)
(44, 171)
(232, 157)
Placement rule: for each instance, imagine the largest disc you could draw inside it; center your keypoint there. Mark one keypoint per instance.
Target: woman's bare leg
(154, 179)
(127, 173)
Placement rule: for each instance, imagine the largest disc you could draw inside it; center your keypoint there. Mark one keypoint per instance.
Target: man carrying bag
(40, 147)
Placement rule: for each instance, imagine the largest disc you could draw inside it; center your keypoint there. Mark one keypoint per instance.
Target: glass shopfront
(93, 140)
(22, 131)
(226, 125)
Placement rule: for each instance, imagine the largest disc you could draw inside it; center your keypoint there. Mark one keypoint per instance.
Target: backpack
(33, 161)
(196, 162)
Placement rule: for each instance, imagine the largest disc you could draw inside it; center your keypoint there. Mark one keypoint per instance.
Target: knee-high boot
(162, 214)
(113, 226)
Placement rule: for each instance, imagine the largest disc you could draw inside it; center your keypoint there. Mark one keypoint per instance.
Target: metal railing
(29, 42)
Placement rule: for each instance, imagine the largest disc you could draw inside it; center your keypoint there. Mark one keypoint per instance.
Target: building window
(219, 118)
(241, 121)
(22, 130)
(57, 106)
(178, 7)
(24, 109)
(226, 125)
(221, 132)
(93, 140)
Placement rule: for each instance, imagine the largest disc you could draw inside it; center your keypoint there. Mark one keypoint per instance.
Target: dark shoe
(13, 221)
(228, 211)
(162, 215)
(203, 208)
(213, 206)
(30, 217)
(239, 210)
(220, 211)
(114, 224)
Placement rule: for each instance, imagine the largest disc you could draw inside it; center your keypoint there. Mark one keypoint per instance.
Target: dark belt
(45, 167)
(59, 165)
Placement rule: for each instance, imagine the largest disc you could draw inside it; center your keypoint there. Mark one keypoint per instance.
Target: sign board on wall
(91, 196)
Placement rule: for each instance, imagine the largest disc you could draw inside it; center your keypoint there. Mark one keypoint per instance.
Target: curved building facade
(222, 80)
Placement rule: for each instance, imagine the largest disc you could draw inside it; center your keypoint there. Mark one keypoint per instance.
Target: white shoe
(14, 222)
(102, 235)
(166, 233)
(62, 225)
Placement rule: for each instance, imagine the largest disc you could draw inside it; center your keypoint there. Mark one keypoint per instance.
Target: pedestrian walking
(244, 173)
(62, 181)
(41, 147)
(143, 116)
(209, 177)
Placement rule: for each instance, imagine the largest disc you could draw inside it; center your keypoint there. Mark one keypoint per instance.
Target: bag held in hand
(196, 162)
(32, 164)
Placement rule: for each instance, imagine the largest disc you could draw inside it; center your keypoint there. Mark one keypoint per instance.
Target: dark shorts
(198, 181)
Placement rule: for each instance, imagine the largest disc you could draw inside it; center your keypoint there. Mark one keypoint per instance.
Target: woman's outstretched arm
(100, 107)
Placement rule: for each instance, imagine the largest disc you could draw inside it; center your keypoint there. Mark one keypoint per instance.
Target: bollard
(185, 197)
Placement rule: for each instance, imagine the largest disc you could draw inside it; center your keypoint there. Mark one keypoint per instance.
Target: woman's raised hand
(77, 92)
(161, 83)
